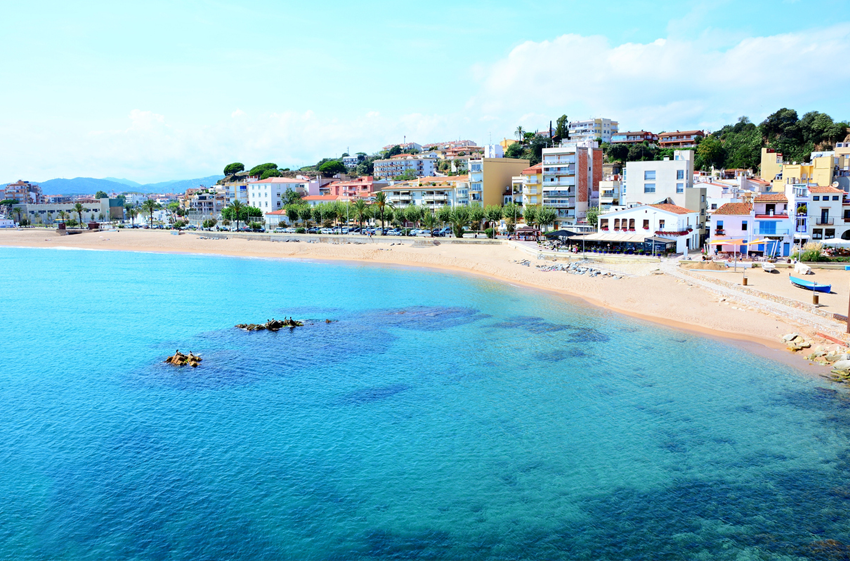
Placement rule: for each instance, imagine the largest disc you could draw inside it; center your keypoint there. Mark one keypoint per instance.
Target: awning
(758, 242)
(561, 234)
(655, 239)
(727, 242)
(612, 237)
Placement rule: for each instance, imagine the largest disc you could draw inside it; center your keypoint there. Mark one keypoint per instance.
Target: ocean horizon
(418, 414)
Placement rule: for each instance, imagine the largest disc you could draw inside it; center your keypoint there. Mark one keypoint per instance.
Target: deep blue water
(436, 417)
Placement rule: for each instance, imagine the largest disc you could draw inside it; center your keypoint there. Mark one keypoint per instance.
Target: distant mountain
(90, 185)
(124, 181)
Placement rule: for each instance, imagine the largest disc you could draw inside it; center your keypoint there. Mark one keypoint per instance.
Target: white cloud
(667, 83)
(237, 113)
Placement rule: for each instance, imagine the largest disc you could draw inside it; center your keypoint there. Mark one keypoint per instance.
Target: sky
(160, 90)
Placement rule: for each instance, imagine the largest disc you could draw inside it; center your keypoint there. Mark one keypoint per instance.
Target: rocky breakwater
(577, 269)
(180, 359)
(271, 325)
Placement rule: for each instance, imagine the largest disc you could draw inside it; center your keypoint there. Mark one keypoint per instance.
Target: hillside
(90, 185)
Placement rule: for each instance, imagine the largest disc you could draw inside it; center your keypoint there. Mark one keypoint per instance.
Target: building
(636, 137)
(680, 139)
(819, 213)
(824, 169)
(236, 186)
(668, 222)
(571, 176)
(353, 189)
(449, 144)
(529, 184)
(593, 129)
(352, 161)
(493, 151)
(489, 179)
(94, 210)
(406, 146)
(266, 194)
(647, 182)
(766, 218)
(24, 192)
(609, 192)
(403, 163)
(429, 192)
(313, 200)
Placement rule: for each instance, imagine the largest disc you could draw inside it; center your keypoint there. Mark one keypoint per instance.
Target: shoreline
(654, 298)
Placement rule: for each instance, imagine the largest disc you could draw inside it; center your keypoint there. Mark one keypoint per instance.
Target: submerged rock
(271, 325)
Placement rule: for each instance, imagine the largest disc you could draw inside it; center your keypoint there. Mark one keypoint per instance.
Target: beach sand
(656, 297)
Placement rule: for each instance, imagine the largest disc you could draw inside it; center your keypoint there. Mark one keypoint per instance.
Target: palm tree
(62, 215)
(360, 210)
(381, 201)
(149, 206)
(78, 208)
(429, 221)
(236, 208)
(519, 133)
(459, 220)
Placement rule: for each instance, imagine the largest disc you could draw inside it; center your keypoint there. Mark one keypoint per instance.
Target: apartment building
(824, 169)
(529, 186)
(490, 178)
(429, 192)
(266, 194)
(353, 189)
(680, 139)
(609, 192)
(819, 213)
(634, 137)
(571, 176)
(402, 163)
(405, 146)
(23, 192)
(766, 218)
(593, 129)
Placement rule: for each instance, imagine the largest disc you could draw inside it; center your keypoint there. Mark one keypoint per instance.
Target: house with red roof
(662, 224)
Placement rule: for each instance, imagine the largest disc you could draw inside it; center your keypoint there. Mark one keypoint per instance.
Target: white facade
(568, 185)
(609, 193)
(351, 161)
(664, 221)
(393, 167)
(767, 219)
(494, 151)
(266, 194)
(648, 182)
(593, 129)
(7, 223)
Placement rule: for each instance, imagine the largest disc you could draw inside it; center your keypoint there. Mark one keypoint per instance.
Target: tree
(444, 214)
(381, 202)
(101, 195)
(394, 151)
(331, 168)
(78, 208)
(258, 170)
(512, 212)
(305, 213)
(413, 214)
(429, 220)
(710, 153)
(269, 173)
(360, 211)
(546, 216)
(592, 216)
(233, 212)
(519, 134)
(618, 153)
(408, 175)
(62, 215)
(290, 197)
(460, 219)
(149, 206)
(235, 167)
(476, 215)
(530, 215)
(291, 213)
(562, 129)
(494, 215)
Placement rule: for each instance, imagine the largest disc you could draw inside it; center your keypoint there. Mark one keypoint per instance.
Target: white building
(609, 192)
(266, 194)
(571, 175)
(402, 163)
(351, 161)
(648, 182)
(493, 151)
(593, 129)
(664, 221)
(766, 218)
(430, 192)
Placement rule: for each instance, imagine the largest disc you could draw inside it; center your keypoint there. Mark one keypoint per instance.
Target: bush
(491, 233)
(255, 225)
(210, 223)
(811, 252)
(300, 230)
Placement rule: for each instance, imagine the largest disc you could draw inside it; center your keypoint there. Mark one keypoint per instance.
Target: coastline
(656, 298)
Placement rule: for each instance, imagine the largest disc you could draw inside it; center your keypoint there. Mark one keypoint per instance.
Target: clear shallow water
(437, 417)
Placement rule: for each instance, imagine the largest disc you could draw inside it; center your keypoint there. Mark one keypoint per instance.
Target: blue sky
(164, 90)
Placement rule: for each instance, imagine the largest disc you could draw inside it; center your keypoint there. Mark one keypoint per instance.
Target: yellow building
(505, 143)
(820, 171)
(490, 179)
(528, 187)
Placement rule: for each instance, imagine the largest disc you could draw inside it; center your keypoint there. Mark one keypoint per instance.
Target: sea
(417, 414)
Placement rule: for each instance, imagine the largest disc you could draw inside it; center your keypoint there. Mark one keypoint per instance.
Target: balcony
(558, 160)
(772, 232)
(567, 182)
(527, 191)
(720, 232)
(820, 221)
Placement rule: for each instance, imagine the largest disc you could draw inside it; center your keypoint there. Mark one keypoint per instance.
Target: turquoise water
(437, 417)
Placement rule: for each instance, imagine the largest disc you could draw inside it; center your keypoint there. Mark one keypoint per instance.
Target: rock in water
(180, 359)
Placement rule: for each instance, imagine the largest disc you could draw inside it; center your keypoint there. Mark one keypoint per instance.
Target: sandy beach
(642, 291)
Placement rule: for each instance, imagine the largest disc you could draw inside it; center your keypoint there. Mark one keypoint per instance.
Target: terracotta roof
(735, 209)
(675, 209)
(757, 180)
(681, 132)
(819, 189)
(533, 170)
(771, 198)
(281, 212)
(319, 198)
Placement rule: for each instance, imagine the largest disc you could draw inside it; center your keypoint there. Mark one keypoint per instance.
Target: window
(719, 225)
(713, 206)
(661, 225)
(649, 187)
(767, 227)
(744, 226)
(815, 198)
(680, 187)
(680, 174)
(646, 224)
(649, 174)
(835, 197)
